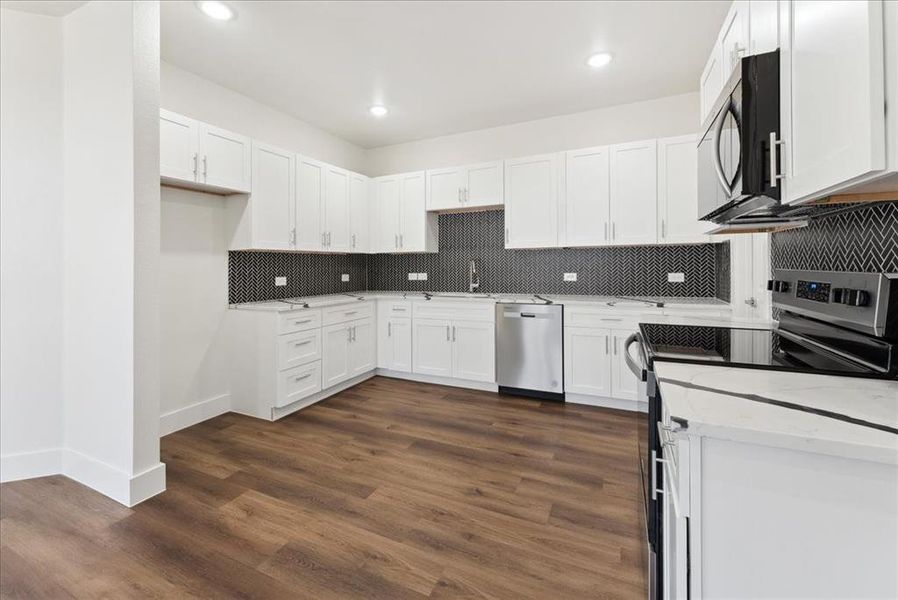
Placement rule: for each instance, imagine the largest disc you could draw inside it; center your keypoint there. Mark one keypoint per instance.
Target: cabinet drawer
(463, 310)
(298, 348)
(299, 320)
(394, 308)
(605, 318)
(348, 312)
(297, 383)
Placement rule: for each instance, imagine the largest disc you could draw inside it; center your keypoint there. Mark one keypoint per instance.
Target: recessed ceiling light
(599, 60)
(378, 111)
(216, 10)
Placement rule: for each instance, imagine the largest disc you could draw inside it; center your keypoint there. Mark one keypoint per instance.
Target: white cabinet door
(362, 349)
(531, 201)
(587, 361)
(474, 350)
(634, 193)
(833, 116)
(394, 340)
(444, 188)
(587, 197)
(483, 185)
(734, 37)
(226, 159)
(624, 383)
(710, 84)
(386, 215)
(272, 201)
(414, 235)
(310, 176)
(432, 347)
(336, 210)
(335, 367)
(358, 213)
(678, 191)
(763, 26)
(178, 146)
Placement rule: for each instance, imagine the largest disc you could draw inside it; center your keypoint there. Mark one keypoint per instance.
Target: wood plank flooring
(392, 489)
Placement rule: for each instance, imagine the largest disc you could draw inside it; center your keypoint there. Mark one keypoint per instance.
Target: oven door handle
(638, 370)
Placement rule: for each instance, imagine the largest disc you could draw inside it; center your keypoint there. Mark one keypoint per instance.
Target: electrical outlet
(413, 277)
(422, 276)
(570, 277)
(280, 281)
(676, 277)
(344, 277)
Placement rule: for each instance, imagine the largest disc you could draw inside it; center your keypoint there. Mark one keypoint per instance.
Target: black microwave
(738, 163)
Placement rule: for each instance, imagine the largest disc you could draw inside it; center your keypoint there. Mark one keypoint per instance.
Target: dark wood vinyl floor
(391, 489)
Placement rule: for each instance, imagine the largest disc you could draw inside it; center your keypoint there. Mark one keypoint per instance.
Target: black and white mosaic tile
(862, 240)
(251, 274)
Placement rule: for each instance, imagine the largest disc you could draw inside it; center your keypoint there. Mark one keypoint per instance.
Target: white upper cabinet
(634, 193)
(709, 85)
(336, 210)
(310, 176)
(763, 26)
(444, 188)
(587, 198)
(678, 191)
(264, 220)
(833, 99)
(226, 159)
(178, 146)
(196, 155)
(359, 229)
(734, 37)
(472, 186)
(403, 223)
(531, 201)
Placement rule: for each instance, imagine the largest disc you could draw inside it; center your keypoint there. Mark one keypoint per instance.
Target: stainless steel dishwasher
(529, 350)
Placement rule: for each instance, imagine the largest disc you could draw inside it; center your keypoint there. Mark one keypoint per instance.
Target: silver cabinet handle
(302, 321)
(349, 334)
(352, 312)
(459, 196)
(323, 243)
(329, 239)
(453, 333)
(353, 240)
(663, 228)
(655, 490)
(606, 344)
(205, 168)
(401, 241)
(354, 333)
(194, 165)
(301, 377)
(293, 235)
(614, 345)
(389, 329)
(774, 175)
(396, 240)
(506, 235)
(302, 343)
(613, 231)
(447, 333)
(606, 231)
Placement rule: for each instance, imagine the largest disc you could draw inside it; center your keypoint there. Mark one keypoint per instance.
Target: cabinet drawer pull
(389, 329)
(301, 377)
(606, 344)
(352, 312)
(302, 321)
(447, 333)
(303, 343)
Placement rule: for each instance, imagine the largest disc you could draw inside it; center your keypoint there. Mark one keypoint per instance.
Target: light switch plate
(422, 276)
(344, 277)
(676, 277)
(280, 281)
(570, 277)
(413, 277)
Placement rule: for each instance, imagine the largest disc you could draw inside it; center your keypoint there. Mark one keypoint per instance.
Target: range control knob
(780, 286)
(851, 297)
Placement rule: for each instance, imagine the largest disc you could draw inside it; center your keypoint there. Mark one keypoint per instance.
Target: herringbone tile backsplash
(864, 239)
(629, 271)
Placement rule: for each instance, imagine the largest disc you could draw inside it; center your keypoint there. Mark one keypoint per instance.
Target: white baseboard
(27, 465)
(108, 480)
(450, 381)
(147, 484)
(176, 420)
(631, 405)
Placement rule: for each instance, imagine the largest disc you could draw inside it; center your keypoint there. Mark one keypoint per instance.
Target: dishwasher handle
(638, 370)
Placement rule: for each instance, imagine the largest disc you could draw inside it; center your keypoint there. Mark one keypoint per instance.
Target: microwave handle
(718, 165)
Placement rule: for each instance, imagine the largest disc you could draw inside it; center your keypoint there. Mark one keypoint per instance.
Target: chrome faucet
(473, 277)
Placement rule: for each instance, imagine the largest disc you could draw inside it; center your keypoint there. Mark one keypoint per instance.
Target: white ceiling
(442, 67)
(51, 8)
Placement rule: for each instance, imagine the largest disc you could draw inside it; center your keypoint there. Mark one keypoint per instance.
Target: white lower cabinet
(347, 350)
(594, 363)
(362, 347)
(432, 347)
(454, 348)
(394, 335)
(297, 383)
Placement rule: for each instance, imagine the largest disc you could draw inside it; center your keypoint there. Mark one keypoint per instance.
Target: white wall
(31, 240)
(194, 96)
(111, 145)
(194, 260)
(674, 115)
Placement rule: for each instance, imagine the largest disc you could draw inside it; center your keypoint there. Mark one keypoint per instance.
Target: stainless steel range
(832, 323)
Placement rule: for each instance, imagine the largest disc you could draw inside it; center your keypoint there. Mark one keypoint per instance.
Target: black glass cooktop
(780, 349)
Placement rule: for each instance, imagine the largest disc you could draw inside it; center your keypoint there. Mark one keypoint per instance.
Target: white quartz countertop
(712, 400)
(630, 302)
